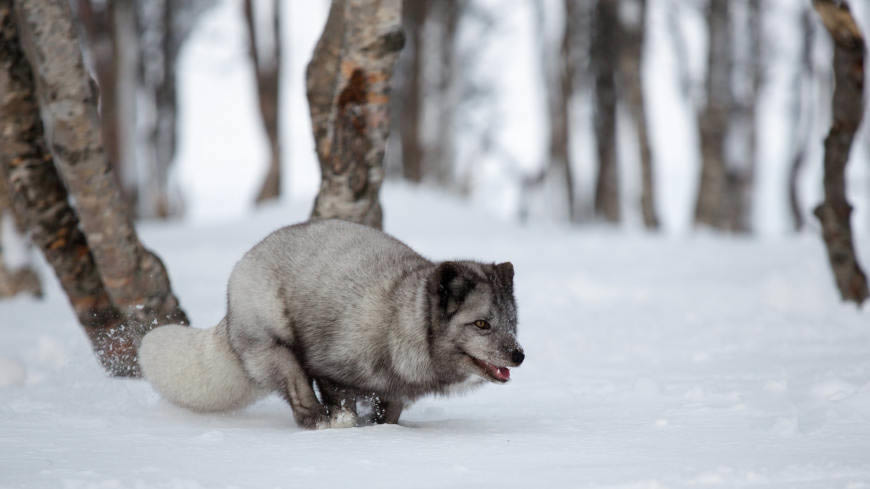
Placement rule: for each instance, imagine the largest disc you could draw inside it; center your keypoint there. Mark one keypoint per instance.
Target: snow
(652, 361)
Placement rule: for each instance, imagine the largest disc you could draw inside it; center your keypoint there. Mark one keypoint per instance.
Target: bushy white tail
(195, 368)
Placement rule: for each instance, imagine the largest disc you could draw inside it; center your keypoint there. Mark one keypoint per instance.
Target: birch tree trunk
(713, 118)
(134, 278)
(847, 108)
(631, 56)
(268, 75)
(348, 84)
(605, 44)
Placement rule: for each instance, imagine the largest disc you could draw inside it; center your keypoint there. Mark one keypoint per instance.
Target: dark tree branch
(847, 109)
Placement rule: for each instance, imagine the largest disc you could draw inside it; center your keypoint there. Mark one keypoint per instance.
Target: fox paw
(342, 418)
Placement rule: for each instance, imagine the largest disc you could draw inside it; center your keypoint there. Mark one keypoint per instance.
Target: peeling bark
(268, 74)
(847, 110)
(348, 84)
(605, 44)
(40, 200)
(134, 278)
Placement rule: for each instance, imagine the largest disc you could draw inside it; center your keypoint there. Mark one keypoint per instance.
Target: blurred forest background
(665, 115)
(622, 111)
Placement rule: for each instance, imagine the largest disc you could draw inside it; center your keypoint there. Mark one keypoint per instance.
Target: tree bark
(268, 74)
(633, 34)
(23, 279)
(135, 279)
(40, 199)
(847, 108)
(713, 118)
(348, 84)
(605, 44)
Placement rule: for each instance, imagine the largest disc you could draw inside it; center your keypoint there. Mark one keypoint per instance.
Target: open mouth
(493, 372)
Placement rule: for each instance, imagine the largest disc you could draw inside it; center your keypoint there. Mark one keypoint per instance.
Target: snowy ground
(651, 362)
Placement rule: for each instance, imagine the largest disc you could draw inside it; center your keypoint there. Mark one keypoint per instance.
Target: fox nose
(518, 356)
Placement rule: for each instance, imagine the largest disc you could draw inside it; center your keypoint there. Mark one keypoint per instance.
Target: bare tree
(847, 109)
(133, 278)
(558, 68)
(633, 35)
(348, 81)
(162, 30)
(267, 70)
(439, 159)
(713, 118)
(410, 114)
(801, 118)
(605, 46)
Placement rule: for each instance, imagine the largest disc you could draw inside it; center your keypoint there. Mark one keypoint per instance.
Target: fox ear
(451, 284)
(505, 271)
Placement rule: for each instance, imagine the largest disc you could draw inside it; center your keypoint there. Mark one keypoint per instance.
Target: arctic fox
(351, 309)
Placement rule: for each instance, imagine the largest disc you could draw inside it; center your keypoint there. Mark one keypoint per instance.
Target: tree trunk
(713, 118)
(40, 200)
(605, 44)
(847, 108)
(411, 113)
(135, 278)
(439, 159)
(268, 74)
(558, 73)
(164, 129)
(99, 26)
(802, 119)
(348, 84)
(23, 279)
(632, 43)
(126, 65)
(740, 172)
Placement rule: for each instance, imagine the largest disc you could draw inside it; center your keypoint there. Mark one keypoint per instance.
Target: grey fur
(363, 316)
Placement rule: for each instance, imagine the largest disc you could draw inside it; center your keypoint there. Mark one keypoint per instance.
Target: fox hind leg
(276, 366)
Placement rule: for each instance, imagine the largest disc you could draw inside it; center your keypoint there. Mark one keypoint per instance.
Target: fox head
(474, 319)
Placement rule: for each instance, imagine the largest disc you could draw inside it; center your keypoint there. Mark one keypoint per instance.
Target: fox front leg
(340, 404)
(386, 411)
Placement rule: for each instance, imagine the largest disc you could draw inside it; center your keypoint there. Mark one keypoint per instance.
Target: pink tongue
(504, 373)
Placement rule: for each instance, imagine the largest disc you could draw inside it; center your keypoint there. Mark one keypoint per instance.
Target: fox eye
(480, 323)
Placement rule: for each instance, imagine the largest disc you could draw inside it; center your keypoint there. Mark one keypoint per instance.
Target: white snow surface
(652, 361)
